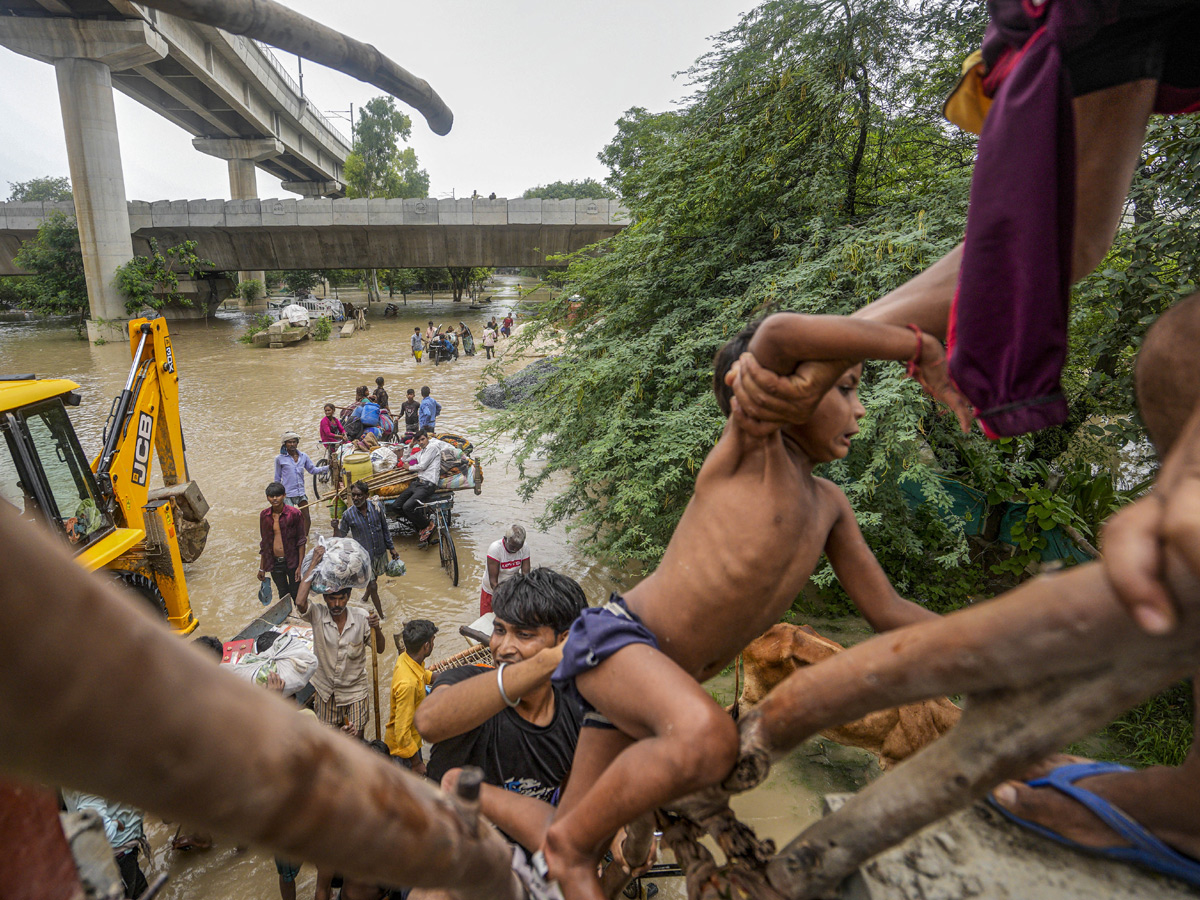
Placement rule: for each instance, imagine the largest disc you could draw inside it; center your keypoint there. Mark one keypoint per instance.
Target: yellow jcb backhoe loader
(107, 510)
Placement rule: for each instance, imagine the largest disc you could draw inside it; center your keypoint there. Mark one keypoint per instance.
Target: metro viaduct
(249, 235)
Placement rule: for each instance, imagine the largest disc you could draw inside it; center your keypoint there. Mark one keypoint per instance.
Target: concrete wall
(320, 234)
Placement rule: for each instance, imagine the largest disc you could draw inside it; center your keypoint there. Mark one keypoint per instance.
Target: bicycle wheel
(322, 480)
(447, 552)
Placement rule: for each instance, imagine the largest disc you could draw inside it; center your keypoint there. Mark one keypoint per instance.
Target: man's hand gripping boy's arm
(795, 359)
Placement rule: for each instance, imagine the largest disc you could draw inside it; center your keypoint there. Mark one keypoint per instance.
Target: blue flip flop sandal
(1146, 849)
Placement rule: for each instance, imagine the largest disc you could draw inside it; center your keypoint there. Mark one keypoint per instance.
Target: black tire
(144, 588)
(448, 554)
(322, 479)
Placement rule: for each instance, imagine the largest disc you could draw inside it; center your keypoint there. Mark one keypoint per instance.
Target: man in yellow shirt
(409, 681)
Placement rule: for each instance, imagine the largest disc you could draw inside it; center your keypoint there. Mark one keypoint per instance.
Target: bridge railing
(269, 54)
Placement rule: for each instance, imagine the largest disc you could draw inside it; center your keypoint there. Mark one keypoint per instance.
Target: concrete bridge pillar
(242, 156)
(84, 54)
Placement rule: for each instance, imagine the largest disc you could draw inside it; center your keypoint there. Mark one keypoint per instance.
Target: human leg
(684, 742)
(373, 596)
(285, 579)
(287, 878)
(132, 875)
(1161, 799)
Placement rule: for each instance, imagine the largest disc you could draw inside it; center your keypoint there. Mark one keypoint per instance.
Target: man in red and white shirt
(505, 558)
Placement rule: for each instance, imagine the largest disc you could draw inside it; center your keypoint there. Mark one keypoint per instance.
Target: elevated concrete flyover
(350, 234)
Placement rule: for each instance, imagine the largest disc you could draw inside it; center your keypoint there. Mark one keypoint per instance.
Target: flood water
(236, 402)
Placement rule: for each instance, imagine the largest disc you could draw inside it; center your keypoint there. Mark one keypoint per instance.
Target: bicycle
(324, 480)
(439, 510)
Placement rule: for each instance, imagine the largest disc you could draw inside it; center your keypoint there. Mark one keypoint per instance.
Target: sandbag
(295, 314)
(383, 459)
(345, 564)
(289, 657)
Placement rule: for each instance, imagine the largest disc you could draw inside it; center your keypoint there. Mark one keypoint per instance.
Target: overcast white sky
(536, 87)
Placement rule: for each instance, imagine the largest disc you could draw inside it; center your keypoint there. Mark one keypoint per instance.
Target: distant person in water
(418, 346)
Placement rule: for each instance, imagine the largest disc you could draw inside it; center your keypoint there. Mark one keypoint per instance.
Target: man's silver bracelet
(500, 684)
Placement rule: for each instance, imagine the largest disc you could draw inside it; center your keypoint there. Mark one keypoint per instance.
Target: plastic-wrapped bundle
(289, 657)
(344, 565)
(294, 314)
(383, 459)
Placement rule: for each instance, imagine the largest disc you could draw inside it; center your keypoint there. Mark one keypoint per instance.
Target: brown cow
(891, 734)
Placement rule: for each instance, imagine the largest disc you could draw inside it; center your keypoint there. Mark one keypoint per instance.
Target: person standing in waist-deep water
(489, 340)
(417, 344)
(290, 466)
(282, 542)
(506, 558)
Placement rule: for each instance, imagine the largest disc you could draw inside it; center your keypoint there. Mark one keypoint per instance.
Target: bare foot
(574, 872)
(1152, 797)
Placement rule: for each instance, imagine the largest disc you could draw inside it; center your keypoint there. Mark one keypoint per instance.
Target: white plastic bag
(289, 658)
(383, 459)
(295, 314)
(345, 564)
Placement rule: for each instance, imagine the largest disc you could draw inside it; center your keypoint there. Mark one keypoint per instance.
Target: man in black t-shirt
(411, 409)
(510, 721)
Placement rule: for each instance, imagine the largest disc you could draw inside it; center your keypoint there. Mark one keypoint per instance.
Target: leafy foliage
(586, 188)
(47, 187)
(322, 328)
(378, 165)
(153, 281)
(467, 280)
(54, 261)
(250, 290)
(300, 281)
(259, 323)
(810, 171)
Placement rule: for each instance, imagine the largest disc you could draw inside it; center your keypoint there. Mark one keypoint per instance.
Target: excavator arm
(144, 423)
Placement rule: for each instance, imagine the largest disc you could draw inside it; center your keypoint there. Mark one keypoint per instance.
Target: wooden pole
(375, 685)
(170, 733)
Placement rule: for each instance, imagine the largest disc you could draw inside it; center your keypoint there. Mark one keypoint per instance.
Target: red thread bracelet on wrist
(915, 362)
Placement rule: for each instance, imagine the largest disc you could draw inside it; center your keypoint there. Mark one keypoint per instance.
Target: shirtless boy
(748, 541)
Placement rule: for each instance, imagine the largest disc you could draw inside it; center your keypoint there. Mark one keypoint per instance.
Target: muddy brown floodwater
(236, 401)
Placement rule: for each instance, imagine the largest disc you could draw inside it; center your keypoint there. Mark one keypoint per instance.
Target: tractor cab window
(14, 486)
(66, 478)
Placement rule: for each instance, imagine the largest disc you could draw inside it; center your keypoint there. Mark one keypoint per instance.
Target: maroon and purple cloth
(1008, 325)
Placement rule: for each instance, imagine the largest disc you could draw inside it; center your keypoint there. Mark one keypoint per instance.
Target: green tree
(587, 188)
(153, 281)
(47, 187)
(765, 192)
(54, 261)
(403, 280)
(467, 280)
(378, 165)
(301, 281)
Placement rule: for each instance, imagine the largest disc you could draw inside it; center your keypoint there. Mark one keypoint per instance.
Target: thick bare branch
(275, 24)
(168, 731)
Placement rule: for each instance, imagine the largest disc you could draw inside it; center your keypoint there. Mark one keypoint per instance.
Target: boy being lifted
(748, 541)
